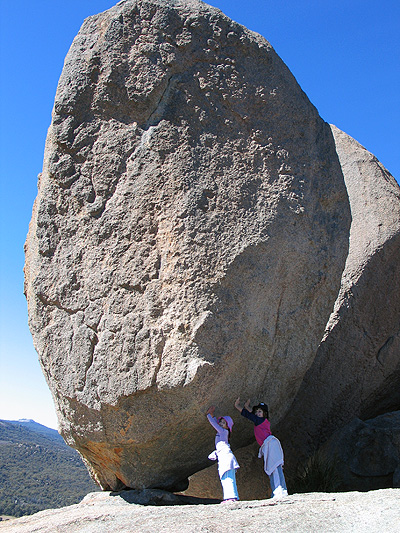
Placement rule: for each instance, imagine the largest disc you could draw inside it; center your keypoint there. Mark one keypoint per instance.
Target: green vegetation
(318, 474)
(38, 470)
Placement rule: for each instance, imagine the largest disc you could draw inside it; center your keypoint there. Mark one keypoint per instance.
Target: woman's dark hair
(264, 408)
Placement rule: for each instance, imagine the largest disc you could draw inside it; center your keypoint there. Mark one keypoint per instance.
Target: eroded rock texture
(188, 238)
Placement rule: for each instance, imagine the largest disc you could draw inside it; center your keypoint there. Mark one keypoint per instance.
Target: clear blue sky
(344, 53)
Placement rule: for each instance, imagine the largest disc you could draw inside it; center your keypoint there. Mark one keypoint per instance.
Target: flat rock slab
(354, 512)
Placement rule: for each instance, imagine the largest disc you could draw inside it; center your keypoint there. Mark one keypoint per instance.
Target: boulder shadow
(161, 497)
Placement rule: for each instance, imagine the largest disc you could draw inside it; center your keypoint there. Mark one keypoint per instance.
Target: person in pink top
(227, 463)
(270, 447)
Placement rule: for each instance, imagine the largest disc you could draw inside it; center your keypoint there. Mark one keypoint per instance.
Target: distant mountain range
(38, 470)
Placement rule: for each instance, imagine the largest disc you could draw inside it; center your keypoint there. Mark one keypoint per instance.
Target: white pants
(229, 488)
(278, 484)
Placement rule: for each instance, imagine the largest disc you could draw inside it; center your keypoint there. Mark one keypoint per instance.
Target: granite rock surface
(366, 453)
(337, 513)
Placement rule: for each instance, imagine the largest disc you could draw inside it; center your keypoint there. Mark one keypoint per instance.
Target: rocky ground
(315, 512)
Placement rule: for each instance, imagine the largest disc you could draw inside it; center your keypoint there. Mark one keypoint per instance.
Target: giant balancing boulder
(188, 238)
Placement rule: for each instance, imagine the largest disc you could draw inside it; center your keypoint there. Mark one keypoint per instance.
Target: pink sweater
(262, 427)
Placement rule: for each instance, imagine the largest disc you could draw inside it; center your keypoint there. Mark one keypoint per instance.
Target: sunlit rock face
(188, 238)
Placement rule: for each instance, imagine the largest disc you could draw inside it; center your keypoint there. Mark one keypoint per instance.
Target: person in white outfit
(227, 463)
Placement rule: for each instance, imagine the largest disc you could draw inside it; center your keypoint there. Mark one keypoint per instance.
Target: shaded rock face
(187, 241)
(367, 454)
(357, 365)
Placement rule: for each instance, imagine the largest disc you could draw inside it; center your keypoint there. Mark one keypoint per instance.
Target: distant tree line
(38, 470)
